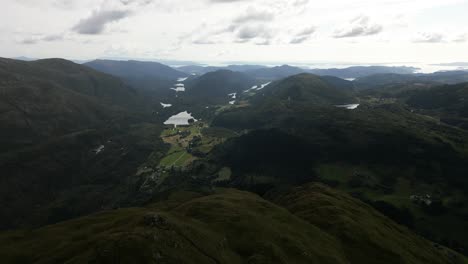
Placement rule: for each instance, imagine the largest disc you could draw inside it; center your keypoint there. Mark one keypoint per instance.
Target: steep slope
(70, 139)
(366, 235)
(53, 97)
(228, 227)
(107, 89)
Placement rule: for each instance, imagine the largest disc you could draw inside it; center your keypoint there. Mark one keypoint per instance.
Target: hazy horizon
(293, 32)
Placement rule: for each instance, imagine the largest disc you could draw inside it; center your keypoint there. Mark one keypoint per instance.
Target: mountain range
(273, 164)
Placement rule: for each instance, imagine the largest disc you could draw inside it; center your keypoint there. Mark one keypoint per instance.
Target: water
(257, 87)
(165, 105)
(348, 106)
(179, 87)
(98, 149)
(181, 119)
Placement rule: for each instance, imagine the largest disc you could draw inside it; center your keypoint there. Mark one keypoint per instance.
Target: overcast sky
(365, 31)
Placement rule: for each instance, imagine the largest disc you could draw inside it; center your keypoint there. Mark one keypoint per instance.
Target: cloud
(97, 22)
(51, 38)
(299, 40)
(263, 42)
(251, 32)
(204, 42)
(29, 41)
(303, 35)
(64, 4)
(425, 37)
(461, 38)
(298, 3)
(224, 1)
(136, 2)
(359, 26)
(253, 15)
(40, 38)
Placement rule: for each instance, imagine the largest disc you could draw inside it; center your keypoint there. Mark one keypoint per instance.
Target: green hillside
(215, 87)
(71, 138)
(229, 226)
(308, 89)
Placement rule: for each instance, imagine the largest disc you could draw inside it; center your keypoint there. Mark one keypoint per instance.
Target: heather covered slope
(365, 235)
(229, 226)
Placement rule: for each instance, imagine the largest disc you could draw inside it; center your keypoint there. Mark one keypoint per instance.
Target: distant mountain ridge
(199, 70)
(215, 86)
(379, 81)
(308, 89)
(136, 69)
(283, 71)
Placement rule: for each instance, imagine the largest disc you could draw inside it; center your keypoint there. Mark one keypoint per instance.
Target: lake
(181, 119)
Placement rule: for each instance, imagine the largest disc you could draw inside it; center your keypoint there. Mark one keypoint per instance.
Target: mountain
(384, 152)
(244, 68)
(23, 58)
(446, 103)
(136, 69)
(152, 79)
(362, 71)
(200, 70)
(447, 97)
(389, 81)
(197, 69)
(338, 82)
(215, 87)
(275, 73)
(54, 97)
(229, 226)
(309, 89)
(71, 138)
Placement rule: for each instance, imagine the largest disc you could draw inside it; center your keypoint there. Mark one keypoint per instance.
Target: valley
(233, 132)
(227, 136)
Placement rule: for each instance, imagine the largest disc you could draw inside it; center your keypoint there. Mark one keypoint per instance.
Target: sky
(266, 31)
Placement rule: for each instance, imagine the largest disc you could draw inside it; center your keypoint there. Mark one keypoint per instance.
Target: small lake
(348, 106)
(179, 87)
(165, 105)
(257, 87)
(181, 119)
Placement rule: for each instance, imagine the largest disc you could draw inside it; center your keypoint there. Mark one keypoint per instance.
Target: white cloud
(260, 29)
(358, 27)
(425, 37)
(99, 19)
